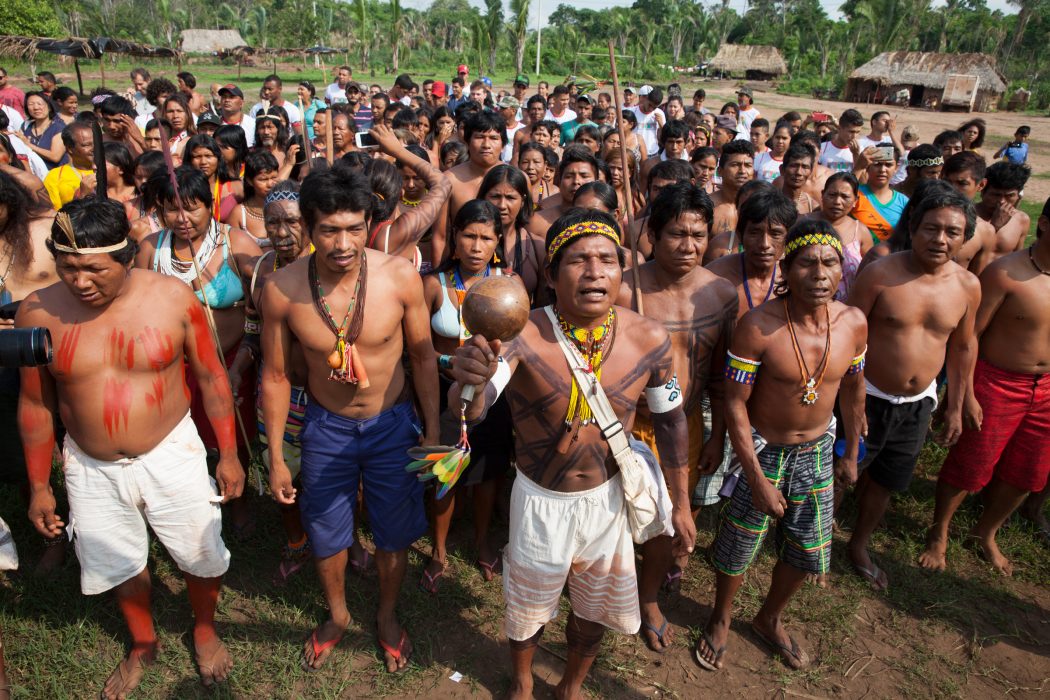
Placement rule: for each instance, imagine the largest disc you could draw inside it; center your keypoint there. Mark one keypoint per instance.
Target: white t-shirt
(648, 127)
(838, 159)
(767, 167)
(567, 116)
(294, 117)
(508, 150)
(14, 118)
(36, 163)
(335, 94)
(746, 116)
(866, 142)
(142, 106)
(247, 124)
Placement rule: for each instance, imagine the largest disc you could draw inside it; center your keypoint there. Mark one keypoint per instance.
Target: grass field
(964, 633)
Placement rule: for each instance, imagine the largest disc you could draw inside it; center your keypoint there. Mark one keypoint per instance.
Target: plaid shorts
(804, 473)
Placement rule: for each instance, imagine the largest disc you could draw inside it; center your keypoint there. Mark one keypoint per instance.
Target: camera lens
(25, 347)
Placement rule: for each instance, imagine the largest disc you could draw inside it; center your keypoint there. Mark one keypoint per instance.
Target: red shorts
(1013, 443)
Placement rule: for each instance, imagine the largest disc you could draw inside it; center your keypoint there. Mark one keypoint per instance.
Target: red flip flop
(319, 649)
(395, 653)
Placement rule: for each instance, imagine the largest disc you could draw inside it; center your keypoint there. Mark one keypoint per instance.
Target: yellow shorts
(643, 431)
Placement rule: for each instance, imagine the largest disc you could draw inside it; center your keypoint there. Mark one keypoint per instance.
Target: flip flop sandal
(672, 580)
(319, 649)
(659, 636)
(704, 663)
(871, 575)
(359, 567)
(398, 652)
(490, 568)
(431, 582)
(784, 652)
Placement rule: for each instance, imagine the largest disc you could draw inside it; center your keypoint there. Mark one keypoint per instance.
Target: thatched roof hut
(925, 75)
(754, 62)
(210, 40)
(27, 47)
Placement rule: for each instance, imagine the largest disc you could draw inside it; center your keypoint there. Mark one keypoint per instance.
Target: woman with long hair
(973, 133)
(203, 154)
(176, 109)
(260, 175)
(507, 189)
(836, 206)
(120, 172)
(308, 96)
(634, 144)
(42, 131)
(616, 178)
(705, 164)
(142, 209)
(532, 160)
(233, 145)
(474, 247)
(590, 137)
(67, 104)
(442, 128)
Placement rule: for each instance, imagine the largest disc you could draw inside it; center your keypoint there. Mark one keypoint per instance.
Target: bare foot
(321, 642)
(711, 647)
(773, 634)
(127, 675)
(818, 580)
(989, 551)
(933, 557)
(213, 661)
(564, 692)
(520, 690)
(869, 570)
(393, 640)
(656, 630)
(53, 557)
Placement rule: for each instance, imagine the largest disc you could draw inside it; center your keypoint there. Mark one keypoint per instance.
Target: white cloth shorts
(168, 489)
(579, 537)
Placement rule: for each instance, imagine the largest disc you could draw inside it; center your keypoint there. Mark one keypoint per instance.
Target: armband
(501, 377)
(444, 361)
(741, 369)
(664, 398)
(857, 365)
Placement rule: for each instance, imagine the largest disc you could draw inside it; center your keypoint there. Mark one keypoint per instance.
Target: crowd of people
(734, 310)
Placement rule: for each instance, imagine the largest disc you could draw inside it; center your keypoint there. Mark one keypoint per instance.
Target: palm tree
(1025, 13)
(494, 22)
(519, 29)
(364, 35)
(395, 33)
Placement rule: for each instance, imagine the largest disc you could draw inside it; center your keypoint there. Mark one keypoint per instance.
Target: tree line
(383, 36)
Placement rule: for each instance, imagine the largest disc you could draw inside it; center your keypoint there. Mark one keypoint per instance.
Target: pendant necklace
(810, 382)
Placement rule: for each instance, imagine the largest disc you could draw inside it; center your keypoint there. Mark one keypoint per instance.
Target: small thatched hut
(925, 76)
(210, 41)
(752, 62)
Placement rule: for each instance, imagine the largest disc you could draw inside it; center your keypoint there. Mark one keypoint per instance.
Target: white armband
(664, 398)
(501, 377)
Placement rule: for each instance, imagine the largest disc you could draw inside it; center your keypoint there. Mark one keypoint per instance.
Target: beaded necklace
(346, 365)
(747, 287)
(593, 346)
(461, 294)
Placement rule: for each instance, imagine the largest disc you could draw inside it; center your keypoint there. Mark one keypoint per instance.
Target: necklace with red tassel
(346, 364)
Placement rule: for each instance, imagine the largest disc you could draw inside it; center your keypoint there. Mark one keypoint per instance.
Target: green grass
(926, 636)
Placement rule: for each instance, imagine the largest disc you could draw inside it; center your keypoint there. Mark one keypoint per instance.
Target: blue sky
(548, 6)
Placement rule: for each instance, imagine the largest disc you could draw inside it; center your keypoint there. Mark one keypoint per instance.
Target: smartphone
(885, 153)
(820, 117)
(300, 157)
(363, 139)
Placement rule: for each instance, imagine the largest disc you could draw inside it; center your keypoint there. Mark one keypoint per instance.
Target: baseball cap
(232, 89)
(522, 79)
(508, 102)
(462, 68)
(724, 121)
(209, 118)
(439, 89)
(586, 98)
(354, 86)
(745, 91)
(645, 90)
(630, 89)
(487, 80)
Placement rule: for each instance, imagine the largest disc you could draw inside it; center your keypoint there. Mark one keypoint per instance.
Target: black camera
(23, 347)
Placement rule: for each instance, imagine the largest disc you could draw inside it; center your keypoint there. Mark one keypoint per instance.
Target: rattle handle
(467, 394)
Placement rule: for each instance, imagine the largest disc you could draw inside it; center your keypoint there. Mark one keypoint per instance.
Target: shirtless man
(360, 419)
(921, 309)
(665, 174)
(965, 172)
(1005, 447)
(1002, 193)
(535, 109)
(672, 146)
(795, 172)
(485, 135)
(761, 228)
(787, 363)
(124, 338)
(568, 485)
(577, 167)
(698, 309)
(736, 166)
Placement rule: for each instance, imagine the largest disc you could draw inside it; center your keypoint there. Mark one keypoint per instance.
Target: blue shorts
(339, 452)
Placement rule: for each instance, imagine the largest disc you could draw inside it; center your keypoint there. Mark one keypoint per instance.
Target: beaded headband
(64, 223)
(282, 196)
(813, 239)
(584, 228)
(926, 162)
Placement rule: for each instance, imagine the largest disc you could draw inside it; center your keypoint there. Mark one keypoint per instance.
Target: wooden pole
(635, 292)
(329, 149)
(302, 128)
(102, 69)
(80, 79)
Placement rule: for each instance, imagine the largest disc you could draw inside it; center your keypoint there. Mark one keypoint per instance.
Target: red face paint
(208, 355)
(67, 348)
(116, 405)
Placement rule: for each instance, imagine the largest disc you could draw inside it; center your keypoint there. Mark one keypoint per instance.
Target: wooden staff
(329, 149)
(636, 294)
(302, 129)
(170, 164)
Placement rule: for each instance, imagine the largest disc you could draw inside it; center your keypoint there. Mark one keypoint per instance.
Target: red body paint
(116, 405)
(156, 397)
(208, 355)
(37, 451)
(158, 346)
(67, 348)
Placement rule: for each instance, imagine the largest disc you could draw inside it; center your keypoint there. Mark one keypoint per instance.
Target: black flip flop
(659, 635)
(784, 652)
(704, 663)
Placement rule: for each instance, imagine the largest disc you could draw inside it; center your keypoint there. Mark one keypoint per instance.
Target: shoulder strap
(611, 427)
